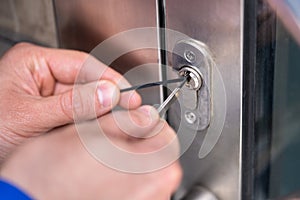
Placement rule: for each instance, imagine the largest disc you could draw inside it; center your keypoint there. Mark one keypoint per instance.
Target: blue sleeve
(10, 192)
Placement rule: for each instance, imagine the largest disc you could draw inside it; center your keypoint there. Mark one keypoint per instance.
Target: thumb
(83, 102)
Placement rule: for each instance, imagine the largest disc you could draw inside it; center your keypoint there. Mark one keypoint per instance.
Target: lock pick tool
(170, 99)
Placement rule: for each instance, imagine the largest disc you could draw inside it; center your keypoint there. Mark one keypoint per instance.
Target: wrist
(7, 143)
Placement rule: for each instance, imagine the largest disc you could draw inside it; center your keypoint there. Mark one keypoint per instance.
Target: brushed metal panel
(84, 24)
(218, 24)
(31, 20)
(4, 46)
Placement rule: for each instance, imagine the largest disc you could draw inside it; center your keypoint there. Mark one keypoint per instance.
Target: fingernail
(107, 93)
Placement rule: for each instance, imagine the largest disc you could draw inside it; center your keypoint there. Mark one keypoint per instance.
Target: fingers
(85, 68)
(83, 102)
(166, 185)
(78, 67)
(56, 152)
(143, 128)
(138, 123)
(68, 67)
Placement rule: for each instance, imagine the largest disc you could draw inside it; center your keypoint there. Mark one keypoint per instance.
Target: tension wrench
(170, 99)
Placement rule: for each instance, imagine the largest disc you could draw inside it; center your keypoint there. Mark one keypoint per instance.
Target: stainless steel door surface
(219, 25)
(83, 24)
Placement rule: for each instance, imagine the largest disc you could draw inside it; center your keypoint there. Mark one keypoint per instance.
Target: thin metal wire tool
(137, 87)
(170, 99)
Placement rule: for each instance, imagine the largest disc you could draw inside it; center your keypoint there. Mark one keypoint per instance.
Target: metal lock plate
(193, 59)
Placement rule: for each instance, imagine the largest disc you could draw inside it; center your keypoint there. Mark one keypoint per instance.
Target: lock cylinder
(194, 77)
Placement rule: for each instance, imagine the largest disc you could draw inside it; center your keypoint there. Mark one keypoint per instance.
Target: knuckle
(19, 49)
(22, 45)
(65, 102)
(80, 107)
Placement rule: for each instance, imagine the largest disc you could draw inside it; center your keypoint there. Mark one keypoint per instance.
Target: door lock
(192, 59)
(194, 78)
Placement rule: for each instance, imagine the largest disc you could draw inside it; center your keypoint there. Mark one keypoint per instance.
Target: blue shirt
(10, 192)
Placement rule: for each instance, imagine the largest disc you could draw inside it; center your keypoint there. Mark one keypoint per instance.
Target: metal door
(212, 161)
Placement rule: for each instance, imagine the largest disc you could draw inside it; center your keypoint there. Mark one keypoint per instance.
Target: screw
(190, 56)
(190, 117)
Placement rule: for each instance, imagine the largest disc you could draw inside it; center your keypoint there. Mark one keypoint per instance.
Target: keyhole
(194, 77)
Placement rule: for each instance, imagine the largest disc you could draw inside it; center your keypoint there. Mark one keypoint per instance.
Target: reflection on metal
(193, 58)
(293, 196)
(101, 19)
(219, 25)
(200, 193)
(216, 23)
(288, 12)
(162, 53)
(31, 21)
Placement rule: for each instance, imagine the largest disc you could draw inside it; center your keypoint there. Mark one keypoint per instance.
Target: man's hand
(58, 166)
(37, 95)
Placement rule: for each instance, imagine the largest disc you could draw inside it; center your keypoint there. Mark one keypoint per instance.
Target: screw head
(190, 56)
(190, 117)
